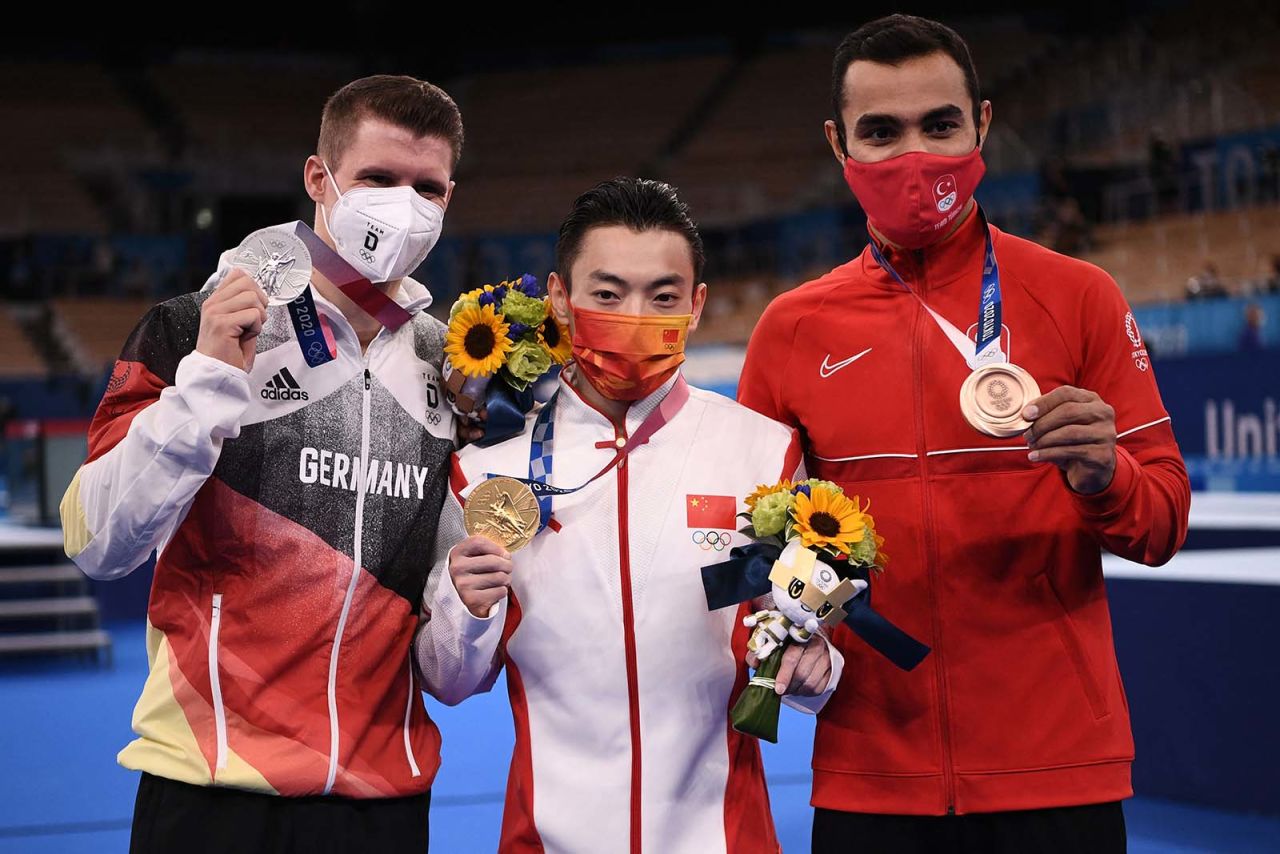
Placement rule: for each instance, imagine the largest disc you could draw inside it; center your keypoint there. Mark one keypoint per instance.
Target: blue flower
(486, 298)
(529, 285)
(802, 487)
(500, 293)
(515, 330)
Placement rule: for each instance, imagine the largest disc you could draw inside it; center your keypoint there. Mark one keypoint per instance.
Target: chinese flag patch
(671, 336)
(712, 511)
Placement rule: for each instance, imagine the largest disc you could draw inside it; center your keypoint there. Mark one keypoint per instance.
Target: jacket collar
(412, 295)
(572, 401)
(957, 258)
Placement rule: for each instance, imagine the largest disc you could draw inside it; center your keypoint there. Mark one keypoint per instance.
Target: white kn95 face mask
(384, 232)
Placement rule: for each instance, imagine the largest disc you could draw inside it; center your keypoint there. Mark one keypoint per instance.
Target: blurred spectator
(1053, 179)
(20, 273)
(1251, 333)
(136, 281)
(1068, 231)
(1271, 284)
(103, 266)
(1162, 168)
(1270, 173)
(1206, 284)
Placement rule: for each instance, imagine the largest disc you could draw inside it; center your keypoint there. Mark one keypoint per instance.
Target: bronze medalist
(504, 510)
(993, 396)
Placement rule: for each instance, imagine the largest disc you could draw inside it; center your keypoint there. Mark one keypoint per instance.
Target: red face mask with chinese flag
(628, 356)
(911, 199)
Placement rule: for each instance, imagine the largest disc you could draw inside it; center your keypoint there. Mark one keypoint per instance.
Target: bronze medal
(504, 510)
(993, 396)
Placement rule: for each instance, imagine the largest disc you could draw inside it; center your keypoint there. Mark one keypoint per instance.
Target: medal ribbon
(987, 349)
(315, 338)
(312, 331)
(354, 286)
(542, 446)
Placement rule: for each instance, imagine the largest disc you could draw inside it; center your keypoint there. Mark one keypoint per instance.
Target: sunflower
(555, 337)
(477, 341)
(828, 519)
(869, 551)
(764, 489)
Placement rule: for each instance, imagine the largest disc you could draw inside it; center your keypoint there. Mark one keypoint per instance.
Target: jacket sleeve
(813, 705)
(769, 350)
(457, 653)
(154, 440)
(1142, 514)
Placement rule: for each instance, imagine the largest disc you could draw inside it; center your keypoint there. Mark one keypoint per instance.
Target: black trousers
(1092, 829)
(178, 818)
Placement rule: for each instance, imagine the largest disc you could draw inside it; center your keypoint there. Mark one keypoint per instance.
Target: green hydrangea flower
(462, 303)
(528, 360)
(770, 515)
(518, 308)
(814, 482)
(865, 551)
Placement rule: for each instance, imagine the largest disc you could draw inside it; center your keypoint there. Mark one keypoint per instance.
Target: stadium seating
(18, 358)
(537, 138)
(739, 132)
(93, 330)
(762, 144)
(58, 131)
(1153, 260)
(244, 106)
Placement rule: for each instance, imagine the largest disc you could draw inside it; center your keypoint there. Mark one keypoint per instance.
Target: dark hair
(640, 204)
(889, 41)
(406, 102)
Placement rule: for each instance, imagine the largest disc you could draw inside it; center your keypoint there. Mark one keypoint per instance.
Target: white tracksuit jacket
(619, 678)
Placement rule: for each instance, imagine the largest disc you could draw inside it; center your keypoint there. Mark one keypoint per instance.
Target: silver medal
(278, 261)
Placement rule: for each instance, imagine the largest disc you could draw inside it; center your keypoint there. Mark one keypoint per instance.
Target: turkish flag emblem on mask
(944, 193)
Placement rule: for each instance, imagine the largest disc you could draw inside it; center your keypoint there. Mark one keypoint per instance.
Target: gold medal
(993, 396)
(504, 510)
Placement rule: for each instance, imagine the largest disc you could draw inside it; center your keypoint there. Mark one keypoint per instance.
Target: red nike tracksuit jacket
(994, 561)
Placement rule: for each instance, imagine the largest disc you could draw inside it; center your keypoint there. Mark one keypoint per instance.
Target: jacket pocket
(1073, 646)
(215, 685)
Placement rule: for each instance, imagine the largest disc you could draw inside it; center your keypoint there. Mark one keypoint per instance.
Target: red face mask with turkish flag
(628, 356)
(911, 199)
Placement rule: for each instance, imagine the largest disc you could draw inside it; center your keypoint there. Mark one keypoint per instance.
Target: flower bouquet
(815, 551)
(501, 339)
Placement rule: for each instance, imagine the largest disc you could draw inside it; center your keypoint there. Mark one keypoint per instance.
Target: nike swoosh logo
(828, 369)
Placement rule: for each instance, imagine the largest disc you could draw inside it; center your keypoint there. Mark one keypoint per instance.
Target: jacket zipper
(215, 686)
(629, 644)
(355, 578)
(931, 562)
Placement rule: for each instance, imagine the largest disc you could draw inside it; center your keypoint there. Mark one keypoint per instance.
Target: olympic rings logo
(708, 540)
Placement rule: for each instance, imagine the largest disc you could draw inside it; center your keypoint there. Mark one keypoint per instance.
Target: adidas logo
(283, 387)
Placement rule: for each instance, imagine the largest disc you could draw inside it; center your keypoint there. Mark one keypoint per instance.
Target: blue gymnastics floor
(61, 791)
